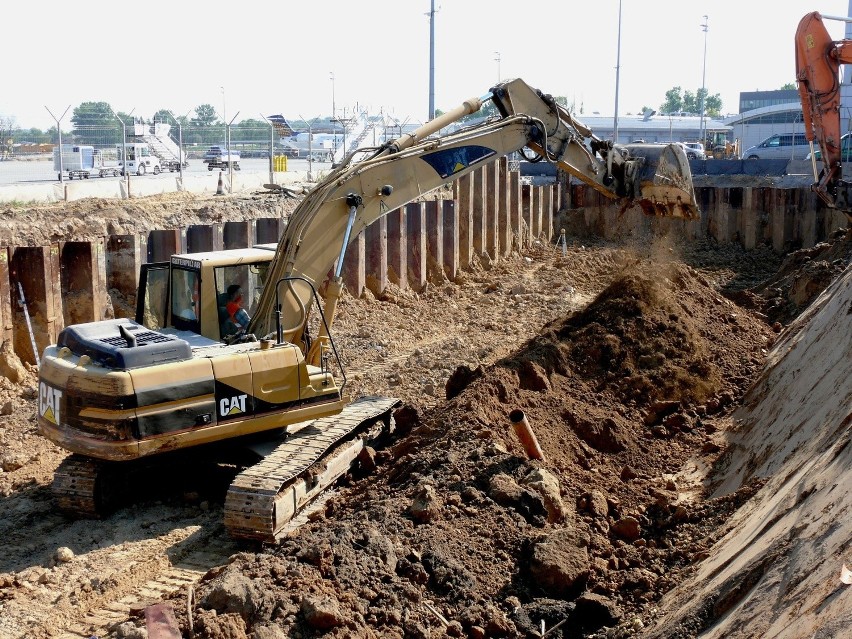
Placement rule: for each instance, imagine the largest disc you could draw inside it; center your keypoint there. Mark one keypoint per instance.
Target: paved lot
(20, 171)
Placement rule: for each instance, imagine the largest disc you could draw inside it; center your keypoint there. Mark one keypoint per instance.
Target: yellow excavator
(181, 379)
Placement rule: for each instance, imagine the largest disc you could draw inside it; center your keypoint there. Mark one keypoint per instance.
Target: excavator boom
(654, 177)
(818, 60)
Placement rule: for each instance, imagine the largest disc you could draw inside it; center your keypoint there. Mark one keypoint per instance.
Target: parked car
(694, 151)
(781, 146)
(845, 150)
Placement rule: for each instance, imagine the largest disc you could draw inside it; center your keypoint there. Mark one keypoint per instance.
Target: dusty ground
(628, 363)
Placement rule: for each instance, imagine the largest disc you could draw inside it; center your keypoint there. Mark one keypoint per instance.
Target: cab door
(152, 298)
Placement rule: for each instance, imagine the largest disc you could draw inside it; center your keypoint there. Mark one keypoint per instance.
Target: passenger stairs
(162, 145)
(361, 134)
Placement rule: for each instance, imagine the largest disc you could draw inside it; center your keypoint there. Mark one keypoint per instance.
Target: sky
(258, 57)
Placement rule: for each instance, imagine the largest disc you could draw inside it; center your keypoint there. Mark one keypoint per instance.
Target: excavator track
(77, 487)
(264, 497)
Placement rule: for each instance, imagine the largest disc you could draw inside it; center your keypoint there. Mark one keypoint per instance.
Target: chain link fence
(30, 155)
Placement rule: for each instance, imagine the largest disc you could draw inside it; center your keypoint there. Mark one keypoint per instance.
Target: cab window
(186, 302)
(250, 278)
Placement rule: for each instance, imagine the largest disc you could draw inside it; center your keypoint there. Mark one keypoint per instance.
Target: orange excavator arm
(818, 60)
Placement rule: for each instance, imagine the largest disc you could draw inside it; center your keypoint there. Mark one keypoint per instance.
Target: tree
(205, 116)
(95, 124)
(251, 130)
(679, 100)
(7, 123)
(788, 86)
(674, 101)
(713, 105)
(164, 115)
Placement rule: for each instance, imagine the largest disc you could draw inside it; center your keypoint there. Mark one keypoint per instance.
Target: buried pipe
(525, 433)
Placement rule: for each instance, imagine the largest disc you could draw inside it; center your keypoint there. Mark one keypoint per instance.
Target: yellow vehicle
(120, 392)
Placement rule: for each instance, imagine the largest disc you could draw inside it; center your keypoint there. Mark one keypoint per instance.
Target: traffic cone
(219, 189)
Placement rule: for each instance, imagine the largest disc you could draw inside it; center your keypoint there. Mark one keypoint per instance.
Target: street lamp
(124, 148)
(310, 145)
(333, 106)
(617, 72)
(497, 60)
(180, 144)
(271, 149)
(703, 76)
(230, 159)
(59, 132)
(224, 112)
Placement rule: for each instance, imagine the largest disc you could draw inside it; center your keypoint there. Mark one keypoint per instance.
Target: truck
(217, 157)
(123, 395)
(140, 159)
(81, 161)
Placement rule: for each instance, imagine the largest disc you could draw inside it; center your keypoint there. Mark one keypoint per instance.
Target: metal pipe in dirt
(29, 324)
(525, 433)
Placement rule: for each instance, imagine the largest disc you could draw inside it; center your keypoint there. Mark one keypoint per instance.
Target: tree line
(95, 123)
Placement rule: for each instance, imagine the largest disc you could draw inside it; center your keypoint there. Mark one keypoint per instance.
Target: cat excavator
(818, 60)
(121, 394)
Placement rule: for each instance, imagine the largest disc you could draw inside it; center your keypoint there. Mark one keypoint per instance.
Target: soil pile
(92, 218)
(458, 533)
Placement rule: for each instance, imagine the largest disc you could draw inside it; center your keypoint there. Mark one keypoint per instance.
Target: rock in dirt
(546, 484)
(425, 506)
(461, 378)
(627, 528)
(63, 555)
(322, 612)
(504, 490)
(11, 366)
(233, 593)
(560, 562)
(128, 630)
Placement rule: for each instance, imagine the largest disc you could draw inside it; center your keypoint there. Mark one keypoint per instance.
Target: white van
(781, 146)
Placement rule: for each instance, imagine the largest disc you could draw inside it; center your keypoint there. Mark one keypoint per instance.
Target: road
(37, 171)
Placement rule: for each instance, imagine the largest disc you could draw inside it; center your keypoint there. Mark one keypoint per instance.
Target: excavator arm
(818, 60)
(655, 177)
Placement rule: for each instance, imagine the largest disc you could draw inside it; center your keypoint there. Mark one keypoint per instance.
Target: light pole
(224, 112)
(497, 60)
(703, 76)
(617, 72)
(230, 159)
(310, 146)
(271, 149)
(333, 106)
(180, 144)
(59, 132)
(124, 148)
(432, 61)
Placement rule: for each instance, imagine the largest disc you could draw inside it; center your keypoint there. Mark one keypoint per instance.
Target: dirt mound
(801, 277)
(91, 218)
(457, 533)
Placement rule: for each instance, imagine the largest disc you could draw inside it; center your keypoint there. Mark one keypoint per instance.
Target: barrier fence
(30, 155)
(490, 213)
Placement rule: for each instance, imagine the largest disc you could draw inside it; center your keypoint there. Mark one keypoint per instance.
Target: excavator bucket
(663, 182)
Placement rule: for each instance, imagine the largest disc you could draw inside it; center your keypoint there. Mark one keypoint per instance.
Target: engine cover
(133, 347)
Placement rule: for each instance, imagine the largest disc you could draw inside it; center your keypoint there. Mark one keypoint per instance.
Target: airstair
(157, 137)
(360, 134)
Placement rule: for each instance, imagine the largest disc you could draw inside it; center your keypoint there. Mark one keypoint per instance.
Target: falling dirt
(627, 363)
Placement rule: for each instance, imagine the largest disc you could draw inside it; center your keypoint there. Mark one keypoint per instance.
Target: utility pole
(59, 133)
(703, 89)
(432, 61)
(617, 71)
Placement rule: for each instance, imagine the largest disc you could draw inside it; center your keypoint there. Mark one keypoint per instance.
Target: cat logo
(48, 403)
(232, 405)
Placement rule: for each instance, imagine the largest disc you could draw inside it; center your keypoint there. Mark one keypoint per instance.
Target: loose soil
(627, 362)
